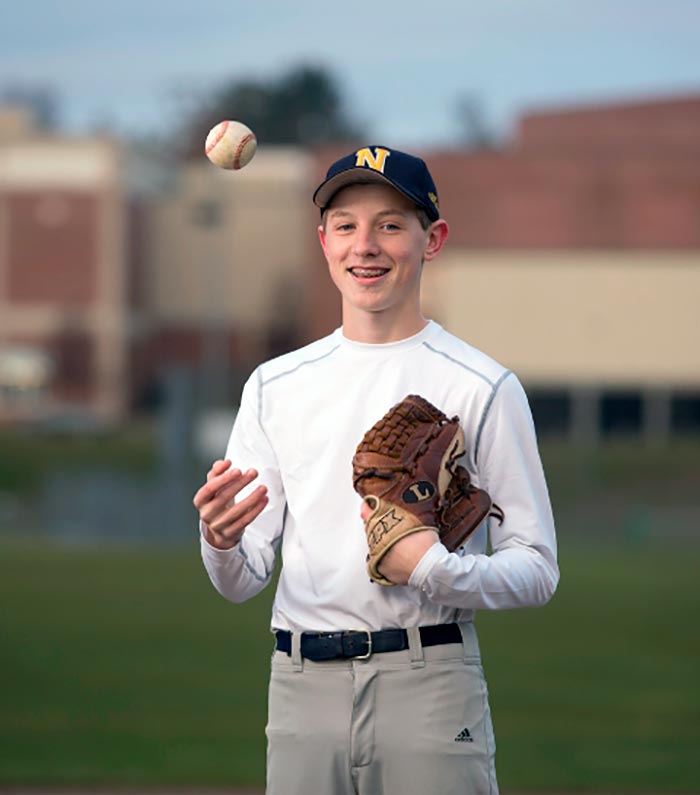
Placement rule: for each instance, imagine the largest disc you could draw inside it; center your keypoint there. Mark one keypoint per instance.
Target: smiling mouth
(368, 273)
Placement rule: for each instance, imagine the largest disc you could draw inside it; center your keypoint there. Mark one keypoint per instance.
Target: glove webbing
(388, 472)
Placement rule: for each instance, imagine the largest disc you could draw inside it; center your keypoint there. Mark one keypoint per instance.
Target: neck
(375, 328)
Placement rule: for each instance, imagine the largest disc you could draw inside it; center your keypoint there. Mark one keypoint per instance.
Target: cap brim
(353, 176)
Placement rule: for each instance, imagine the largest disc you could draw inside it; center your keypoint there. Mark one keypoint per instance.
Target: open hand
(225, 520)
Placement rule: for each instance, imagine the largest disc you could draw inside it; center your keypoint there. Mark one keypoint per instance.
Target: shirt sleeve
(243, 571)
(522, 569)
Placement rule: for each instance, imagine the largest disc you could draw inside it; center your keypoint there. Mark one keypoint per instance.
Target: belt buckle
(369, 644)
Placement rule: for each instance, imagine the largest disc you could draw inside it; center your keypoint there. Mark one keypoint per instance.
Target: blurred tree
(41, 100)
(473, 129)
(304, 106)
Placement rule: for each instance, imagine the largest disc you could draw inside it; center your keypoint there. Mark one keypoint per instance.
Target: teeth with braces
(368, 271)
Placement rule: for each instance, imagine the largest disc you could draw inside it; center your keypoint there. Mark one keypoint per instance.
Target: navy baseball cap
(408, 174)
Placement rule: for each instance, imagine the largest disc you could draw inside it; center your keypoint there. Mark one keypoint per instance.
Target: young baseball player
(376, 688)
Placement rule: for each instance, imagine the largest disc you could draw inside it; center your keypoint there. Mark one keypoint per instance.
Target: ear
(322, 238)
(436, 236)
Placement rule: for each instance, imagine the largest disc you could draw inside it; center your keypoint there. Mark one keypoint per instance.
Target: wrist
(432, 557)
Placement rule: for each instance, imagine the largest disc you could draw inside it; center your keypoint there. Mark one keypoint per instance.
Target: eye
(344, 227)
(390, 226)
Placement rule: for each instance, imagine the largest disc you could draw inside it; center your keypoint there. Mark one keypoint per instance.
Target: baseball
(230, 145)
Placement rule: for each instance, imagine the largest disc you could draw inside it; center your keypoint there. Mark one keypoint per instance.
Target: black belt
(318, 646)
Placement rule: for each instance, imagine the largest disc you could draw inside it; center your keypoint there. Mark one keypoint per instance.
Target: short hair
(425, 221)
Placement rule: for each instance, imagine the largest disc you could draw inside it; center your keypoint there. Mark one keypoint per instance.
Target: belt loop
(416, 647)
(470, 641)
(297, 662)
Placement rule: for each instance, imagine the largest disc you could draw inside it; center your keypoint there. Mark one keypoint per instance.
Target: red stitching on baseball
(239, 149)
(223, 126)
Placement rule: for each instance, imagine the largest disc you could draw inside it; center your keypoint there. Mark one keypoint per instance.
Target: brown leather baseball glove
(406, 470)
(463, 509)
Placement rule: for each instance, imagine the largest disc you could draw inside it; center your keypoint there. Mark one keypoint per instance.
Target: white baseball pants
(398, 723)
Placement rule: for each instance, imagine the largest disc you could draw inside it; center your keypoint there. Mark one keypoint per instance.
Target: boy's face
(375, 247)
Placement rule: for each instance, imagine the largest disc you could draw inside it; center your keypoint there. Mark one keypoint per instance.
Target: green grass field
(121, 666)
(125, 667)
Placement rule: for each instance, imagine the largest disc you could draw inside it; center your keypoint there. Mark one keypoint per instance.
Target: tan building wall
(228, 247)
(604, 318)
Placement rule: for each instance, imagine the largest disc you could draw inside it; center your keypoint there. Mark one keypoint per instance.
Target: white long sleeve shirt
(301, 418)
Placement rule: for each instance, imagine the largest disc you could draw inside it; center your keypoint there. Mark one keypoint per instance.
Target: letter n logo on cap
(365, 157)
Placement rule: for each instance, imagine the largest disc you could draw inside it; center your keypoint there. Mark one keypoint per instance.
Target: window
(621, 413)
(551, 410)
(685, 413)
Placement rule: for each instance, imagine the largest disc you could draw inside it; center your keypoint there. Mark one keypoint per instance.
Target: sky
(403, 67)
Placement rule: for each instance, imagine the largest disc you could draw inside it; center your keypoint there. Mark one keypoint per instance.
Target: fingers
(369, 505)
(217, 468)
(226, 531)
(222, 479)
(240, 514)
(224, 518)
(365, 511)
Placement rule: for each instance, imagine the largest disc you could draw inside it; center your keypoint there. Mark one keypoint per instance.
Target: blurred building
(225, 260)
(574, 259)
(69, 290)
(117, 267)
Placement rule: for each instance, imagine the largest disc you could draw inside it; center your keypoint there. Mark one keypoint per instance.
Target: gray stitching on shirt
(262, 383)
(461, 364)
(301, 364)
(275, 542)
(486, 411)
(249, 566)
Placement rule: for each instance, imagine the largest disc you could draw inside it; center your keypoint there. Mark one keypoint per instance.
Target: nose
(365, 243)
